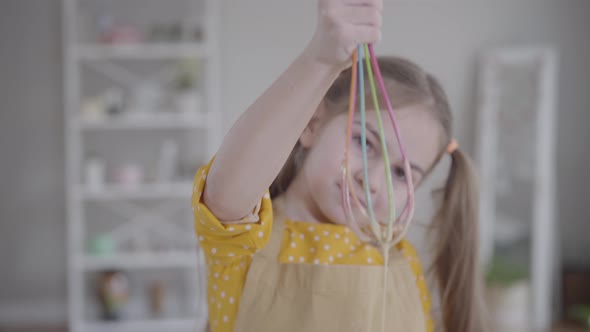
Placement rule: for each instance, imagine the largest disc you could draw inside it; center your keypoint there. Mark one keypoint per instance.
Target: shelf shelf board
(140, 51)
(139, 261)
(164, 121)
(143, 191)
(148, 325)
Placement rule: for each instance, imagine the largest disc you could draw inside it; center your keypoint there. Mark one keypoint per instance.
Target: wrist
(311, 59)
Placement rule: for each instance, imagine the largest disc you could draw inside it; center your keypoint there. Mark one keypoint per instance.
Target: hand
(343, 25)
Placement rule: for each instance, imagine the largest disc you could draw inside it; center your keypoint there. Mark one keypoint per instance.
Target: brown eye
(358, 139)
(399, 172)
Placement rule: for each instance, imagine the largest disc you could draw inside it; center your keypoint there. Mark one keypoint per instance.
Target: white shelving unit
(81, 51)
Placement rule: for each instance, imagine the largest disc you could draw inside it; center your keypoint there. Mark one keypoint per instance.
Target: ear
(311, 131)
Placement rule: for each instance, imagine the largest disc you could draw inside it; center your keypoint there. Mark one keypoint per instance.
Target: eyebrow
(376, 134)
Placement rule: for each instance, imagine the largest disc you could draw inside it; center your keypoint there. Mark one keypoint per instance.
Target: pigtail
(456, 253)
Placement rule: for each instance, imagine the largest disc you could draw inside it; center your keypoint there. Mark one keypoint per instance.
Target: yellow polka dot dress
(229, 248)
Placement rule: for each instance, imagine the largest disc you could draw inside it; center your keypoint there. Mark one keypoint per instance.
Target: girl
(267, 208)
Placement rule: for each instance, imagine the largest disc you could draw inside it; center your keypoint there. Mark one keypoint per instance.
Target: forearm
(255, 149)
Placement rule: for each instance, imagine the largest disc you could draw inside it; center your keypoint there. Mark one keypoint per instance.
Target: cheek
(327, 159)
(320, 169)
(400, 198)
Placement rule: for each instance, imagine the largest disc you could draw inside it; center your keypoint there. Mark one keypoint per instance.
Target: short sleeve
(229, 239)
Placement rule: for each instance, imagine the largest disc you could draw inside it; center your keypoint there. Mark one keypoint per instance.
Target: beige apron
(281, 297)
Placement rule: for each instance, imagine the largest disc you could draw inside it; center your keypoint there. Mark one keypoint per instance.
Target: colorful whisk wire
(383, 233)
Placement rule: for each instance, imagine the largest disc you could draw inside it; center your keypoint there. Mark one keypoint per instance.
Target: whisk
(386, 233)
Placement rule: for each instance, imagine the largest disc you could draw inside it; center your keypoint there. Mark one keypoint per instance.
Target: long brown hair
(454, 227)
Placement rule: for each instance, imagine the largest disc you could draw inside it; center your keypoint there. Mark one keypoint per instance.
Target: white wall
(32, 202)
(259, 38)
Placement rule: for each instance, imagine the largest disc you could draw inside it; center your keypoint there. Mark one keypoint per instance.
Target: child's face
(321, 174)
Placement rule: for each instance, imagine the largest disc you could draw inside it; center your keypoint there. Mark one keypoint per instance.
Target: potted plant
(581, 314)
(186, 95)
(508, 295)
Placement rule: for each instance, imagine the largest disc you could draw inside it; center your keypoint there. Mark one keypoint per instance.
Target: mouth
(352, 200)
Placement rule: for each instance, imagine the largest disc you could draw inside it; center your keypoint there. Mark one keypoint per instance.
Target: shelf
(156, 325)
(139, 261)
(90, 69)
(141, 51)
(143, 191)
(148, 122)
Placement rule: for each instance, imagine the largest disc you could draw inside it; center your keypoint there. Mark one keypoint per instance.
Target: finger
(377, 4)
(361, 16)
(363, 34)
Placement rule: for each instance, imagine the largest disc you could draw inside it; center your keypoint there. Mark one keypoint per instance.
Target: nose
(376, 174)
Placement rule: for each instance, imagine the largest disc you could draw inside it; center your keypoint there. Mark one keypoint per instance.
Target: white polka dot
(212, 300)
(202, 222)
(213, 250)
(215, 322)
(204, 176)
(201, 238)
(261, 234)
(312, 249)
(226, 278)
(194, 188)
(316, 238)
(231, 254)
(367, 247)
(231, 229)
(310, 228)
(212, 228)
(248, 227)
(242, 264)
(337, 236)
(214, 287)
(369, 260)
(246, 247)
(231, 300)
(339, 255)
(291, 258)
(326, 233)
(267, 196)
(326, 247)
(301, 236)
(346, 240)
(225, 319)
(293, 245)
(331, 258)
(292, 235)
(352, 248)
(217, 262)
(346, 230)
(219, 305)
(302, 259)
(316, 261)
(216, 275)
(222, 295)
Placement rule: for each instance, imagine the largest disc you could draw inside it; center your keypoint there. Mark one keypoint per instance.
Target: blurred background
(108, 107)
